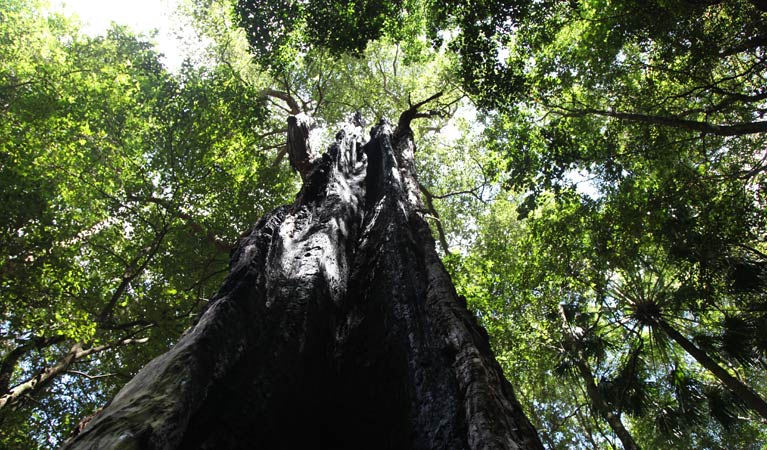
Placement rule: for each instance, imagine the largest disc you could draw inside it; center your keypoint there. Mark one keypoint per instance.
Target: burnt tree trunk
(337, 327)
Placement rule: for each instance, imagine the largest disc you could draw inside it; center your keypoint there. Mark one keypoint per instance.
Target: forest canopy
(594, 174)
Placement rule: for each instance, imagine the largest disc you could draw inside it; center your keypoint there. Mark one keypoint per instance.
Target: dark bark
(338, 327)
(761, 5)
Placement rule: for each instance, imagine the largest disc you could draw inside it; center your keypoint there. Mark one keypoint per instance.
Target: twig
(91, 377)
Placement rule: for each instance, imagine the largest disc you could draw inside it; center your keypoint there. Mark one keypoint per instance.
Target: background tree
(519, 280)
(104, 155)
(629, 145)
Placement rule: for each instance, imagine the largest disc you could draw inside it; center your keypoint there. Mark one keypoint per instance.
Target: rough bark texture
(338, 327)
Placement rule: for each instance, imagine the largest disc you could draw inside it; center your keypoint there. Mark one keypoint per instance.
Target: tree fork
(337, 327)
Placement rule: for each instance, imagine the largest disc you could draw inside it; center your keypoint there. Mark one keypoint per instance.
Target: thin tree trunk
(338, 327)
(748, 396)
(598, 401)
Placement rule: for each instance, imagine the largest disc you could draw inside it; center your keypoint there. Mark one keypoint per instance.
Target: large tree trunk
(338, 327)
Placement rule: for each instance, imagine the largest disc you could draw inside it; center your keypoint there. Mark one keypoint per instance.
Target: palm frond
(723, 406)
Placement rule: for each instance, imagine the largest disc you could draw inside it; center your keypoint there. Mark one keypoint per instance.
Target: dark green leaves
(278, 29)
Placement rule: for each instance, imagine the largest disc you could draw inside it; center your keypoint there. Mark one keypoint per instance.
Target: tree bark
(338, 327)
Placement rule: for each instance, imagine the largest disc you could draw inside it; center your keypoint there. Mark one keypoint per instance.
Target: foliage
(637, 146)
(123, 189)
(518, 275)
(595, 174)
(278, 31)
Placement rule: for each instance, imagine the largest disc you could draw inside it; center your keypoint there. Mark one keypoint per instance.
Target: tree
(654, 107)
(575, 347)
(522, 273)
(338, 316)
(647, 295)
(182, 155)
(661, 120)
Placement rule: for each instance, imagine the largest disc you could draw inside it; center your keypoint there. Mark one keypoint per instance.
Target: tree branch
(293, 107)
(190, 221)
(753, 250)
(131, 272)
(89, 376)
(704, 127)
(753, 42)
(598, 401)
(12, 358)
(37, 382)
(472, 192)
(272, 133)
(407, 116)
(280, 155)
(437, 222)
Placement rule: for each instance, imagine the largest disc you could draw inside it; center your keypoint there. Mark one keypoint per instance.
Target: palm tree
(654, 297)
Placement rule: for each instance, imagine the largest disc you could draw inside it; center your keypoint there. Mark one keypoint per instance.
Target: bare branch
(272, 133)
(280, 155)
(472, 192)
(704, 127)
(190, 221)
(403, 125)
(77, 352)
(12, 358)
(133, 270)
(91, 377)
(753, 250)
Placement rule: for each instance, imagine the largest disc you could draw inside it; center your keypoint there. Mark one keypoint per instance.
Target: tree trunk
(750, 398)
(338, 327)
(598, 402)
